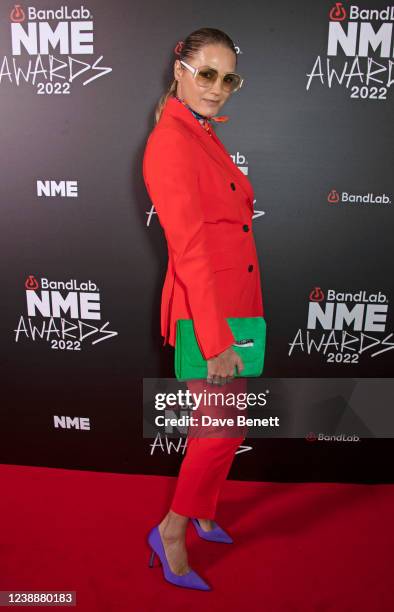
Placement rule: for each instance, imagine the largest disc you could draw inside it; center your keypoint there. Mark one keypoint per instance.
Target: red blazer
(205, 205)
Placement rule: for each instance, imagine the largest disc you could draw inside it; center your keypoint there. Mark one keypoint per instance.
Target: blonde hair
(190, 46)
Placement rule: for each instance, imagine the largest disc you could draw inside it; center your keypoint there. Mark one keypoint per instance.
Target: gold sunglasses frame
(195, 72)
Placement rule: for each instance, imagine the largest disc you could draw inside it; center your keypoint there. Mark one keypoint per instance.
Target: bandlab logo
(50, 300)
(333, 197)
(362, 34)
(240, 161)
(36, 33)
(342, 326)
(337, 13)
(356, 198)
(312, 437)
(17, 14)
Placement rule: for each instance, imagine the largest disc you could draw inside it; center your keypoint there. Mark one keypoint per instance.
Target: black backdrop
(318, 154)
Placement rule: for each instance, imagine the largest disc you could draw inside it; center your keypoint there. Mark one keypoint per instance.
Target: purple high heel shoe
(191, 580)
(217, 534)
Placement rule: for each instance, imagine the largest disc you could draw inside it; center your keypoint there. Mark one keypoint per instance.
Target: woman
(205, 206)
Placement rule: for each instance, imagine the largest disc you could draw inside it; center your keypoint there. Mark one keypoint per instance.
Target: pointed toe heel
(217, 534)
(191, 580)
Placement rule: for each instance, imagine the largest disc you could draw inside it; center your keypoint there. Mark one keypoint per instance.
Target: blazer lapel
(212, 145)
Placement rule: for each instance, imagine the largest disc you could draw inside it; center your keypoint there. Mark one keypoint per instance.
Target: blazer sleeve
(171, 179)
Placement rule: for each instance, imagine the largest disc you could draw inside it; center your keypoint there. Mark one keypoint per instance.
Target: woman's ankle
(173, 526)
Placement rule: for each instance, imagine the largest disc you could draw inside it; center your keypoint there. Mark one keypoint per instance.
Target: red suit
(205, 205)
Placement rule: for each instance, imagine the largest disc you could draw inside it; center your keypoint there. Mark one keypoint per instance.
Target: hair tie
(179, 47)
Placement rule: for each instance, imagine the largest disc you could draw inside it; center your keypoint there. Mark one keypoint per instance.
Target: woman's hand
(221, 369)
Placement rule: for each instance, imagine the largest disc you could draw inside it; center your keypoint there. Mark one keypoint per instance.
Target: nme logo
(79, 303)
(65, 189)
(48, 302)
(36, 35)
(366, 312)
(73, 37)
(366, 37)
(66, 422)
(366, 34)
(343, 326)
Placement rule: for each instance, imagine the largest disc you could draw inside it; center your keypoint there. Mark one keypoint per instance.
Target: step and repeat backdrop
(84, 257)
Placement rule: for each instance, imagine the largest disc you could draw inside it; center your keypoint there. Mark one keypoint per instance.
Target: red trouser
(210, 450)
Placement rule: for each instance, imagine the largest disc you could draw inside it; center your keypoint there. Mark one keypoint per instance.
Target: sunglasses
(206, 77)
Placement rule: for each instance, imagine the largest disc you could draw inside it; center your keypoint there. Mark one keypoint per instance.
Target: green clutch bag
(250, 336)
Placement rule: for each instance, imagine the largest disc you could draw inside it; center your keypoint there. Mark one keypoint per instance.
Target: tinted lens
(206, 76)
(231, 81)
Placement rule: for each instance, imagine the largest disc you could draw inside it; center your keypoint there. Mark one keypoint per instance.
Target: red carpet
(298, 547)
